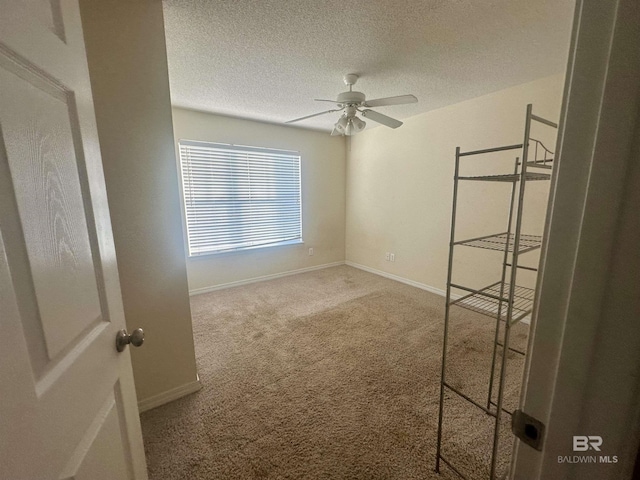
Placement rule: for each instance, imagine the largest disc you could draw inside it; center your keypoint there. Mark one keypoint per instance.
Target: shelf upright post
(505, 261)
(446, 314)
(512, 289)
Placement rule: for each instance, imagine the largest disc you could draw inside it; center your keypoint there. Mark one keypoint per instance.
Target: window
(239, 197)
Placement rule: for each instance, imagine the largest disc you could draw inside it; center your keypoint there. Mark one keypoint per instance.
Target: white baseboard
(397, 278)
(413, 283)
(198, 291)
(169, 395)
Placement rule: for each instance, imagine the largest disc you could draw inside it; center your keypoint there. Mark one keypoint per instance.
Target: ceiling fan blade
(399, 100)
(314, 115)
(335, 132)
(323, 100)
(380, 118)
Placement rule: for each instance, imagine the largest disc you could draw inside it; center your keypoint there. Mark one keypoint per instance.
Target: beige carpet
(332, 374)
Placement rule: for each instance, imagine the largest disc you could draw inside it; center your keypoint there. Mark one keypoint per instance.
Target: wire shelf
(499, 242)
(529, 176)
(541, 164)
(488, 300)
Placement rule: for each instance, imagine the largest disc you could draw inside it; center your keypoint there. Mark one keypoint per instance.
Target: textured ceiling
(268, 59)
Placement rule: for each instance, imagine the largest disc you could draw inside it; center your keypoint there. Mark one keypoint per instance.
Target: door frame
(582, 376)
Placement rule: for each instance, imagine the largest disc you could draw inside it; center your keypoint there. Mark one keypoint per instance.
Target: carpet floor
(331, 374)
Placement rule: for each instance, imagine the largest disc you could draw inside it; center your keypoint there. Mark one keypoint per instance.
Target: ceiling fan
(352, 103)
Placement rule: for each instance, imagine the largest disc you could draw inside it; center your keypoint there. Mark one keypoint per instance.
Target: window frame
(247, 148)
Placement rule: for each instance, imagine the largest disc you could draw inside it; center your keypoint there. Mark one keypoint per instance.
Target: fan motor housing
(347, 98)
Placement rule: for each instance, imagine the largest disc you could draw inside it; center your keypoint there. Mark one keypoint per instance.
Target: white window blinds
(239, 197)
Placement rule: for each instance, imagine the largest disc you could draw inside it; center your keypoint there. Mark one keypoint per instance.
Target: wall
(128, 67)
(399, 187)
(323, 198)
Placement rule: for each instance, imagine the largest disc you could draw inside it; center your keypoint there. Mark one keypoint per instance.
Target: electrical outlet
(311, 251)
(387, 256)
(392, 257)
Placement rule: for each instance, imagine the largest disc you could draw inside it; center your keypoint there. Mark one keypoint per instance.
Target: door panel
(40, 153)
(49, 14)
(100, 453)
(68, 406)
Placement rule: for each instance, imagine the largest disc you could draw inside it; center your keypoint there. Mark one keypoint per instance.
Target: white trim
(413, 283)
(169, 395)
(208, 254)
(222, 286)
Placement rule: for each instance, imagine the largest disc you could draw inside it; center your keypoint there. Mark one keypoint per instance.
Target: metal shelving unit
(488, 301)
(509, 178)
(499, 242)
(504, 300)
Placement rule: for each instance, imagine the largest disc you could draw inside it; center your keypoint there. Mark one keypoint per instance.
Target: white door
(67, 403)
(583, 371)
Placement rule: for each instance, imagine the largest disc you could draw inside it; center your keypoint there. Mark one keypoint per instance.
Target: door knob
(123, 338)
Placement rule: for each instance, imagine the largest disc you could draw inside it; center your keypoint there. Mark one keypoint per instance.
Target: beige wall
(399, 186)
(323, 198)
(128, 66)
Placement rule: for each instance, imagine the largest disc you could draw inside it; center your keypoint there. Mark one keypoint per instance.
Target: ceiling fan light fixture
(353, 102)
(341, 125)
(349, 130)
(358, 124)
(354, 125)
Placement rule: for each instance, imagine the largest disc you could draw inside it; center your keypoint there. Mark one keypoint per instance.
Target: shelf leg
(505, 262)
(446, 314)
(512, 288)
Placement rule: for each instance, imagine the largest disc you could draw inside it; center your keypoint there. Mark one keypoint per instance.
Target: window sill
(245, 249)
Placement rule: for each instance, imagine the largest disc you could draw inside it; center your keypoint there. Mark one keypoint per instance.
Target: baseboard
(413, 283)
(169, 395)
(198, 291)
